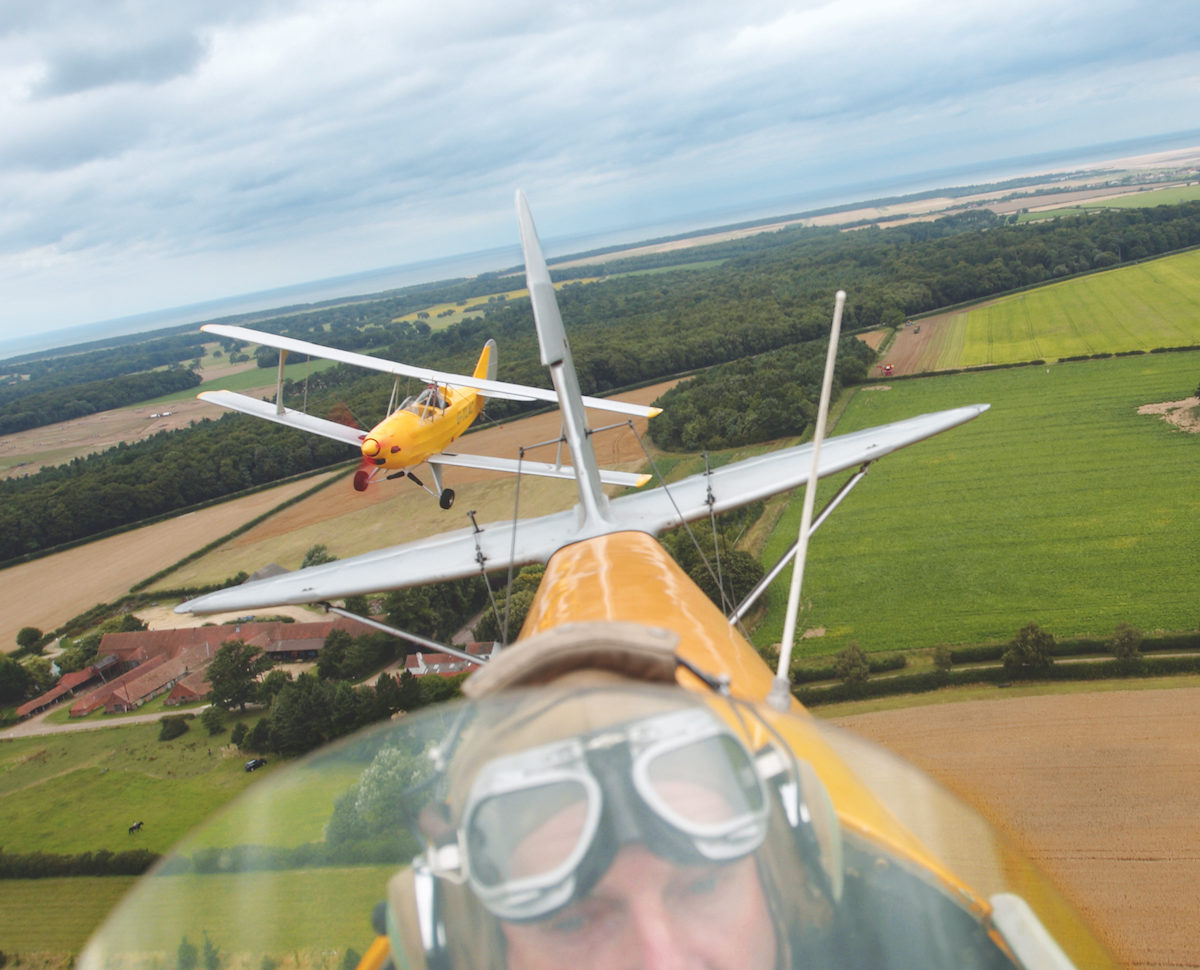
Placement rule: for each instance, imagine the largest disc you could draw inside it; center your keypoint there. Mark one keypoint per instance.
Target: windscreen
(394, 838)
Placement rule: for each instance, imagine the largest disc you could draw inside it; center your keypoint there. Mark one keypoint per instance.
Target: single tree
(14, 681)
(28, 637)
(234, 672)
(1029, 653)
(212, 956)
(187, 955)
(317, 555)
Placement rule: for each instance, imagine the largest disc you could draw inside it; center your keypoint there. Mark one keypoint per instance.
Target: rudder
(485, 369)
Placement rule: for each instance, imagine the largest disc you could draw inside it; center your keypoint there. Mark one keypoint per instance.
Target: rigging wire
(678, 514)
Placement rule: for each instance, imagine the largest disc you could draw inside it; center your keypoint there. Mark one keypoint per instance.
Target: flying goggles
(540, 827)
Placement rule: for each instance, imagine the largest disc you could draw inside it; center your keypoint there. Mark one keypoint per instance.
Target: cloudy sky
(159, 154)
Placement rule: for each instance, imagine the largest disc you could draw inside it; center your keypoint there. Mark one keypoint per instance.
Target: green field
(80, 792)
(286, 911)
(58, 915)
(1148, 197)
(1061, 505)
(1142, 307)
(1143, 199)
(55, 915)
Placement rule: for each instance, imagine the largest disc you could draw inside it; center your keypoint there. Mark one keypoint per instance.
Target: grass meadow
(1061, 505)
(325, 912)
(79, 792)
(1141, 307)
(55, 916)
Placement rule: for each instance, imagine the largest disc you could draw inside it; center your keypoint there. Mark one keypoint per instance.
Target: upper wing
(293, 419)
(458, 554)
(500, 389)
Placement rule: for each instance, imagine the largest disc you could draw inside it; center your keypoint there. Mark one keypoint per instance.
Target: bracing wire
(678, 514)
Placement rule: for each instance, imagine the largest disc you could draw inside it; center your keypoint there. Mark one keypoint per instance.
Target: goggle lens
(707, 783)
(708, 790)
(528, 833)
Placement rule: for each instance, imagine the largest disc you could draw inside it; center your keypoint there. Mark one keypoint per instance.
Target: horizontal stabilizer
(498, 389)
(286, 416)
(455, 555)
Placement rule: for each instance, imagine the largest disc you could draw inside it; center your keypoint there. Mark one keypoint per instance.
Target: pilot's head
(600, 823)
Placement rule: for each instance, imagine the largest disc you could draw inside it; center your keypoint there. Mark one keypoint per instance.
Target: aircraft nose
(371, 448)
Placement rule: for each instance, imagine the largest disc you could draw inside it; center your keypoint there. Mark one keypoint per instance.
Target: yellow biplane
(424, 425)
(625, 785)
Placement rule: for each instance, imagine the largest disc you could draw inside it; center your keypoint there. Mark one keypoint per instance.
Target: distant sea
(509, 257)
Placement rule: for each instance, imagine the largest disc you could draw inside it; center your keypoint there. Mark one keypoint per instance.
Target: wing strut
(411, 637)
(780, 695)
(752, 597)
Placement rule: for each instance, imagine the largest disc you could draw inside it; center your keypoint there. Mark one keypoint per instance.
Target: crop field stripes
(1061, 505)
(1144, 307)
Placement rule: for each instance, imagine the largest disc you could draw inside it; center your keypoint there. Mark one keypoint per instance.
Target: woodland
(763, 302)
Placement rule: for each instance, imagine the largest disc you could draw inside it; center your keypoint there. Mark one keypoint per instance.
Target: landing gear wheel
(362, 478)
(446, 499)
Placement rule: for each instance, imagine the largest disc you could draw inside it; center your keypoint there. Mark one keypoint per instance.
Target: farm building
(158, 661)
(443, 664)
(67, 685)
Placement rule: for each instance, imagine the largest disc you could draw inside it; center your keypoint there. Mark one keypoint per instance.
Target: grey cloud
(153, 62)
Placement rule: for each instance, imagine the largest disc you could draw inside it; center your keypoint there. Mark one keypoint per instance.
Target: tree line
(79, 400)
(764, 293)
(38, 373)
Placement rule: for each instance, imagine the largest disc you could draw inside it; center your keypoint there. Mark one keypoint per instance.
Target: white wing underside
(352, 436)
(457, 554)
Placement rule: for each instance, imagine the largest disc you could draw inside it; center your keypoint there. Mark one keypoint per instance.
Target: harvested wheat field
(1100, 788)
(49, 591)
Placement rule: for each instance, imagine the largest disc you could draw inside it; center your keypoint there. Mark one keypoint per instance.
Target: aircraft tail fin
(556, 355)
(485, 369)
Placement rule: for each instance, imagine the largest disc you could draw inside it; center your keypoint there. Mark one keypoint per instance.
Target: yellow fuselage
(412, 434)
(629, 576)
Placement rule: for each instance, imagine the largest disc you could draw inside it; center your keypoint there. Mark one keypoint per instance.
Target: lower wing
(540, 468)
(495, 546)
(285, 416)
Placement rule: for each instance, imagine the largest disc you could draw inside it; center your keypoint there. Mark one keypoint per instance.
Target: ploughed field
(1100, 788)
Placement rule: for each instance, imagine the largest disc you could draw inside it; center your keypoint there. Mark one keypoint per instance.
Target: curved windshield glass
(591, 827)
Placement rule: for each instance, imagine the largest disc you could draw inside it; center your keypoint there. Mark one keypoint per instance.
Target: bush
(172, 727)
(213, 720)
(851, 665)
(1126, 643)
(45, 865)
(187, 955)
(980, 653)
(238, 733)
